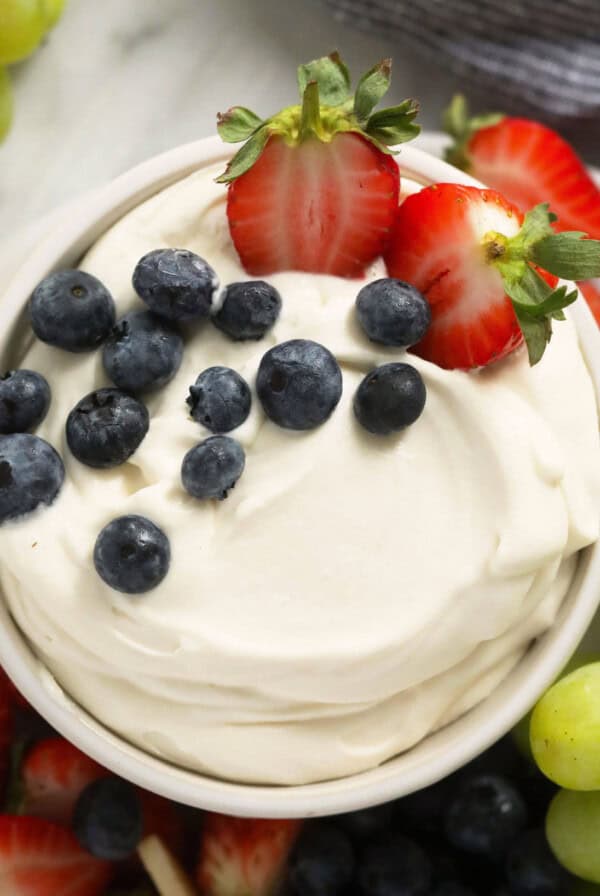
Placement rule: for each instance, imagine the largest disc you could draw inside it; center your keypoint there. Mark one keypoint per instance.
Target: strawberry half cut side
(315, 187)
(484, 270)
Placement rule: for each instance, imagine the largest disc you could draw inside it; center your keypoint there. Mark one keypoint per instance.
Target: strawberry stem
(457, 123)
(310, 118)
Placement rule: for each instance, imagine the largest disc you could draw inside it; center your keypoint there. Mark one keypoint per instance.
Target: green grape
(572, 829)
(565, 730)
(6, 103)
(22, 26)
(520, 732)
(53, 10)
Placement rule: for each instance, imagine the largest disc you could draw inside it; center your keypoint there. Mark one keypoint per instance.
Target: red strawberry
(243, 855)
(6, 736)
(315, 188)
(527, 162)
(54, 774)
(465, 250)
(39, 858)
(591, 293)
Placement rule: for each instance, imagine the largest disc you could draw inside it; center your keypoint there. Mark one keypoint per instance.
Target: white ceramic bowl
(433, 758)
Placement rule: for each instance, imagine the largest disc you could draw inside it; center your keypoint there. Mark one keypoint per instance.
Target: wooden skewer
(167, 874)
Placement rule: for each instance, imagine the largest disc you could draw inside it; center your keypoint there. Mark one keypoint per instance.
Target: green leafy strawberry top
(461, 128)
(536, 303)
(328, 107)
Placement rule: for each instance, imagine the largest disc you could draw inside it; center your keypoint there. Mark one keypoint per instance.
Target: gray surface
(119, 81)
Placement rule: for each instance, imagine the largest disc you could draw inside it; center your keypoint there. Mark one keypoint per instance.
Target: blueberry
(485, 815)
(393, 312)
(395, 866)
(423, 811)
(532, 870)
(213, 467)
(248, 309)
(175, 283)
(24, 401)
(365, 824)
(31, 473)
(108, 820)
(142, 352)
(220, 399)
(390, 398)
(132, 554)
(72, 310)
(106, 427)
(299, 384)
(322, 863)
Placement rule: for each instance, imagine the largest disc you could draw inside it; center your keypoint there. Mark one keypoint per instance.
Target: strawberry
(527, 162)
(39, 858)
(465, 249)
(54, 774)
(591, 293)
(163, 819)
(6, 736)
(243, 855)
(315, 187)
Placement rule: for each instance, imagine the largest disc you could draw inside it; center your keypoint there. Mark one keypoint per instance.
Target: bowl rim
(445, 750)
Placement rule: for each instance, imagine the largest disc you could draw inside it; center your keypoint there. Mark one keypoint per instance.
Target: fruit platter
(299, 471)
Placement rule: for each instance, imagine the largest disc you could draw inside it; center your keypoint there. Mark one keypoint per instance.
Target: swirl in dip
(353, 593)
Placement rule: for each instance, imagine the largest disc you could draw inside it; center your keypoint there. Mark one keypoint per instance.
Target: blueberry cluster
(477, 833)
(299, 384)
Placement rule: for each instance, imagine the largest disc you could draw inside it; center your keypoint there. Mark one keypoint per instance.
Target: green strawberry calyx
(568, 255)
(328, 107)
(461, 127)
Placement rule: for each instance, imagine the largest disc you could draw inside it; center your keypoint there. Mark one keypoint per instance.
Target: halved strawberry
(466, 251)
(591, 293)
(54, 773)
(243, 855)
(315, 187)
(528, 162)
(39, 858)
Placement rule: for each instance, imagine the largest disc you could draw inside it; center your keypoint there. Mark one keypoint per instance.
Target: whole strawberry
(484, 269)
(315, 187)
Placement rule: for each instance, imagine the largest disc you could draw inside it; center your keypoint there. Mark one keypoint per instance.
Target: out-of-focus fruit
(572, 827)
(23, 23)
(6, 103)
(53, 10)
(565, 730)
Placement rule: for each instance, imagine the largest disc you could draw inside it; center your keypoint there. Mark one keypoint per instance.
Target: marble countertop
(117, 82)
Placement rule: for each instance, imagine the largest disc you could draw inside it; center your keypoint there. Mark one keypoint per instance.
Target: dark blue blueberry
(248, 309)
(322, 863)
(72, 310)
(106, 427)
(532, 870)
(299, 384)
(390, 398)
(394, 866)
(393, 312)
(24, 400)
(175, 283)
(423, 811)
(365, 824)
(132, 554)
(31, 473)
(212, 468)
(485, 816)
(108, 819)
(220, 399)
(142, 352)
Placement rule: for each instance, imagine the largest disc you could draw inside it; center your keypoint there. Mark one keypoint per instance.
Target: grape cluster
(24, 24)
